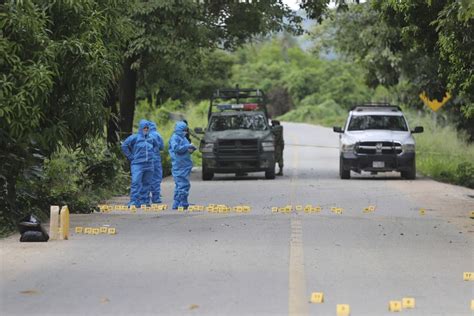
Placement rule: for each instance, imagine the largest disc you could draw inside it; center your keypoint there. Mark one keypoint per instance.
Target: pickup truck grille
(374, 148)
(237, 149)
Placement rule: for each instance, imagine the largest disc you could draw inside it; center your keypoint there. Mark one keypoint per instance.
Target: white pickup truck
(376, 138)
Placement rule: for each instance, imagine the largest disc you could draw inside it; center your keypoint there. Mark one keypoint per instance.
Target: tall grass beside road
(442, 152)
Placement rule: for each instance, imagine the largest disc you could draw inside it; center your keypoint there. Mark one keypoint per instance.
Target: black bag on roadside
(31, 230)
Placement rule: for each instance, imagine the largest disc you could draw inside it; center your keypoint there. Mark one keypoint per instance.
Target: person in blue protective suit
(155, 188)
(180, 150)
(140, 149)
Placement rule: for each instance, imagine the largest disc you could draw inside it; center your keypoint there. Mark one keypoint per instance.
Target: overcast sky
(292, 3)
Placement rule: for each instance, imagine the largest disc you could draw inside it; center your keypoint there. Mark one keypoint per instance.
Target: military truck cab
(238, 138)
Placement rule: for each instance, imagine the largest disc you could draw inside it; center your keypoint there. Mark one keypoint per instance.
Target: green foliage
(270, 65)
(57, 60)
(426, 43)
(327, 113)
(442, 152)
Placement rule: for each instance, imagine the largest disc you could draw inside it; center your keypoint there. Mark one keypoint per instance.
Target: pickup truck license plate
(378, 164)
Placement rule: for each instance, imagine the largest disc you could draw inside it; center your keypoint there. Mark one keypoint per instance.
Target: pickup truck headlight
(347, 148)
(207, 148)
(408, 148)
(268, 146)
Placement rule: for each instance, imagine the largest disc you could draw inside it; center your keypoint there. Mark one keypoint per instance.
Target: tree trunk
(112, 125)
(127, 94)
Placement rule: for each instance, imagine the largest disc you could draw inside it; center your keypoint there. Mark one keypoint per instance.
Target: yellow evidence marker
(95, 231)
(111, 231)
(79, 230)
(308, 208)
(274, 209)
(369, 209)
(395, 306)
(408, 302)
(299, 208)
(343, 310)
(88, 230)
(317, 298)
(103, 230)
(472, 215)
(468, 276)
(472, 305)
(422, 211)
(180, 209)
(316, 209)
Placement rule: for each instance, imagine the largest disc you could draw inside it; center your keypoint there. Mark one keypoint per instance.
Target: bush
(79, 179)
(327, 113)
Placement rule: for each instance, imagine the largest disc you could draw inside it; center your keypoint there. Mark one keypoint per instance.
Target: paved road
(261, 263)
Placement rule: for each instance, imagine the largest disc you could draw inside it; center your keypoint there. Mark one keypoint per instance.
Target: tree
(57, 60)
(426, 43)
(172, 33)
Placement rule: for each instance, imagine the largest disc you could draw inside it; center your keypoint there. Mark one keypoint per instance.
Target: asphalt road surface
(261, 263)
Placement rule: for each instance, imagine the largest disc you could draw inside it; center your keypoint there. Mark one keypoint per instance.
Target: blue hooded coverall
(157, 167)
(139, 149)
(181, 164)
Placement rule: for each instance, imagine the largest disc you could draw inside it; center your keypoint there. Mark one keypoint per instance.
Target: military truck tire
(343, 173)
(206, 174)
(270, 174)
(410, 174)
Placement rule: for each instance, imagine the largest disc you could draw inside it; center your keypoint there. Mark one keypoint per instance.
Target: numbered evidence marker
(395, 306)
(95, 231)
(369, 209)
(343, 310)
(408, 302)
(88, 230)
(472, 215)
(103, 230)
(79, 230)
(422, 211)
(472, 305)
(299, 208)
(317, 298)
(274, 209)
(468, 276)
(111, 231)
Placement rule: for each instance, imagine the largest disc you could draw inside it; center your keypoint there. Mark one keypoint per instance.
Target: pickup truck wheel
(270, 174)
(411, 173)
(343, 173)
(206, 174)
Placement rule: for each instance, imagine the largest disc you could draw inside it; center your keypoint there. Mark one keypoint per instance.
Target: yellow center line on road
(297, 302)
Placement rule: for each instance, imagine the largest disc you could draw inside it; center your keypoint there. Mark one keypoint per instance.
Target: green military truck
(238, 138)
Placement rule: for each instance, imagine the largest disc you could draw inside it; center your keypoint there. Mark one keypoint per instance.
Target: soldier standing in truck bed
(279, 144)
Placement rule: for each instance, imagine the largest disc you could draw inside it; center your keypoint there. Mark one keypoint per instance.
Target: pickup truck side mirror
(199, 130)
(337, 129)
(418, 129)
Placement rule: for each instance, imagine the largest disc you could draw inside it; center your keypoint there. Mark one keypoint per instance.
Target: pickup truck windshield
(240, 121)
(386, 122)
